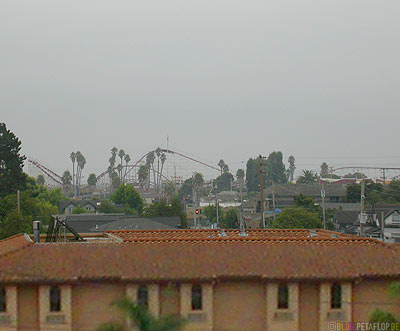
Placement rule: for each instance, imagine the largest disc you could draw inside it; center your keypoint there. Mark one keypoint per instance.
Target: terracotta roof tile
(265, 254)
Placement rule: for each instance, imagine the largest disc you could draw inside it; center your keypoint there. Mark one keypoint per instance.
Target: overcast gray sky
(223, 79)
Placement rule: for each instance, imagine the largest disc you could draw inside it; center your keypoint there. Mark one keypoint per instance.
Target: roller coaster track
(51, 174)
(164, 151)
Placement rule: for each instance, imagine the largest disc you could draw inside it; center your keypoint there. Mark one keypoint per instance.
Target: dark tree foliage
(275, 170)
(12, 177)
(230, 220)
(297, 218)
(223, 182)
(126, 195)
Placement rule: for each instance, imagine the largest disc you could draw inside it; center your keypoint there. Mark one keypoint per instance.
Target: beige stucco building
(270, 280)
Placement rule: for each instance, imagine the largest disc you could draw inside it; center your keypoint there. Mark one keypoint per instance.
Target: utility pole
(273, 200)
(18, 202)
(323, 205)
(262, 192)
(217, 207)
(383, 226)
(194, 202)
(362, 214)
(384, 176)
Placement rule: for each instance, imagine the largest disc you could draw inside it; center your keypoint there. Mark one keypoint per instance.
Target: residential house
(67, 206)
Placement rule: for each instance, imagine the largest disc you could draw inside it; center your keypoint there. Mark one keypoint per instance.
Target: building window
(143, 296)
(55, 298)
(336, 296)
(2, 300)
(197, 299)
(283, 296)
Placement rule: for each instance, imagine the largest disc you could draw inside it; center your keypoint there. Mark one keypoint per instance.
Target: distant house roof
(346, 217)
(312, 190)
(65, 203)
(85, 223)
(131, 223)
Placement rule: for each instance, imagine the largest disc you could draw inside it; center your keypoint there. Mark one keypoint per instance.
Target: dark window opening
(197, 300)
(283, 296)
(55, 298)
(2, 299)
(336, 296)
(143, 296)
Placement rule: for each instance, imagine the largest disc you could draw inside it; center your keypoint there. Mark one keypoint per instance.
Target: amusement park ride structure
(380, 174)
(131, 169)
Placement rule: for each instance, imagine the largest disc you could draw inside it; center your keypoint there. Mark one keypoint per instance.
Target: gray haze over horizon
(222, 79)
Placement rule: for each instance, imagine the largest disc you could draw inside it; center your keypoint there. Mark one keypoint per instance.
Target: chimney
(36, 232)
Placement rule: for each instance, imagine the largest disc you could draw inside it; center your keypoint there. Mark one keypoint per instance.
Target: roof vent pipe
(312, 234)
(36, 232)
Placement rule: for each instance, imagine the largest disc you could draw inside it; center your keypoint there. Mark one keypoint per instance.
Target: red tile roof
(270, 236)
(265, 254)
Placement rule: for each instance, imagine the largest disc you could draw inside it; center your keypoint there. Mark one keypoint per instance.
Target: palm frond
(111, 326)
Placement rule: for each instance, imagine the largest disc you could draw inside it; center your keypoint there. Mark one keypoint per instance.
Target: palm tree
(80, 159)
(158, 153)
(163, 158)
(66, 179)
(121, 155)
(127, 159)
(150, 162)
(143, 319)
(307, 177)
(143, 174)
(73, 159)
(221, 164)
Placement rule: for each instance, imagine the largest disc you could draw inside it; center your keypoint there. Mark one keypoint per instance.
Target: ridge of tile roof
(265, 235)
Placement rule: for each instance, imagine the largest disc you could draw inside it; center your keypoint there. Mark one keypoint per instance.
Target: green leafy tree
(297, 218)
(275, 170)
(127, 195)
(143, 319)
(79, 210)
(356, 175)
(162, 208)
(308, 177)
(392, 191)
(379, 316)
(92, 180)
(230, 219)
(15, 223)
(40, 180)
(54, 196)
(12, 177)
(374, 193)
(253, 175)
(186, 190)
(170, 189)
(211, 213)
(107, 207)
(224, 182)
